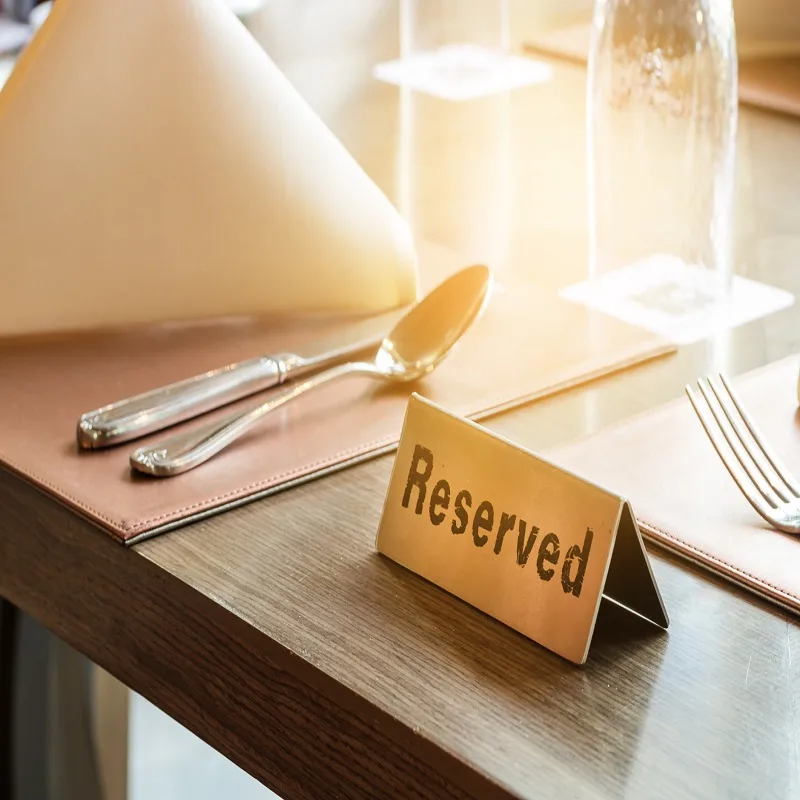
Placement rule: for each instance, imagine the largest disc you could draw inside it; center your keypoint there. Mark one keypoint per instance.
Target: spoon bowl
(422, 338)
(416, 345)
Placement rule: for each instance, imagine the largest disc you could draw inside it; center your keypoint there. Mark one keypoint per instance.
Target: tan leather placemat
(684, 498)
(764, 81)
(528, 344)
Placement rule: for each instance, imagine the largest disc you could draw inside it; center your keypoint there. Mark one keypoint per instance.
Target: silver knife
(159, 408)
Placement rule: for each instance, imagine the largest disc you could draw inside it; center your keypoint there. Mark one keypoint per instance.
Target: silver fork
(758, 472)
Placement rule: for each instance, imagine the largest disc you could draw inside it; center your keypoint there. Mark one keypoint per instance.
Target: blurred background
(499, 176)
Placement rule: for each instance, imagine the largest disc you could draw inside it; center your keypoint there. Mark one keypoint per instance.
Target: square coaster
(460, 72)
(666, 296)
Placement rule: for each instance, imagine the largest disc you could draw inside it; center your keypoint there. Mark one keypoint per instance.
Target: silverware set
(760, 475)
(160, 408)
(418, 341)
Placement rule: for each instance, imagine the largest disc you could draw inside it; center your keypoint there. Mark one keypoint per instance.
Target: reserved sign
(511, 534)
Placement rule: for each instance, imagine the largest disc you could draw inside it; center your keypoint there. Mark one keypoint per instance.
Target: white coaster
(668, 297)
(463, 72)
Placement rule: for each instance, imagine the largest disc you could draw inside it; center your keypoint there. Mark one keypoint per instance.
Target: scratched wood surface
(278, 635)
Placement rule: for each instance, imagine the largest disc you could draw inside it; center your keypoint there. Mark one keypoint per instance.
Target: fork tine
(735, 470)
(737, 448)
(773, 459)
(756, 453)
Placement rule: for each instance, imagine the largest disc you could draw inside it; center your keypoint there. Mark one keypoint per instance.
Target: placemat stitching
(718, 560)
(494, 402)
(267, 481)
(122, 525)
(128, 528)
(59, 493)
(498, 400)
(635, 419)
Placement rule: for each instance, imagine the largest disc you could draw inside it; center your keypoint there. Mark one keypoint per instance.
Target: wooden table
(278, 635)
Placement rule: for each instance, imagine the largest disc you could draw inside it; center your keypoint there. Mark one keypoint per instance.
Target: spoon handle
(184, 451)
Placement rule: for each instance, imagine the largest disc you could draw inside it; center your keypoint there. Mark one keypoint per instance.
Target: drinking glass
(661, 126)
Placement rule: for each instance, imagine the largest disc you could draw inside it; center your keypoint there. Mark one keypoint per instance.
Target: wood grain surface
(278, 635)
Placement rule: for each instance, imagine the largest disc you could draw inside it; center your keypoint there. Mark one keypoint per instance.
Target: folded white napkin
(155, 164)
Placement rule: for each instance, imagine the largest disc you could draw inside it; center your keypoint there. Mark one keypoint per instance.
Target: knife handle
(168, 405)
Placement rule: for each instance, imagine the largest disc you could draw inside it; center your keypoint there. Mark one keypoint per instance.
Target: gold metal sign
(528, 543)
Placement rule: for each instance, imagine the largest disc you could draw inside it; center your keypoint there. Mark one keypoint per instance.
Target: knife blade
(160, 408)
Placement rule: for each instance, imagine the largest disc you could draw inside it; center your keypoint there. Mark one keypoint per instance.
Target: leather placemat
(527, 344)
(771, 82)
(684, 498)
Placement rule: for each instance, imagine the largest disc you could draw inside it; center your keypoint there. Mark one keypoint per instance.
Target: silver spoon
(415, 346)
